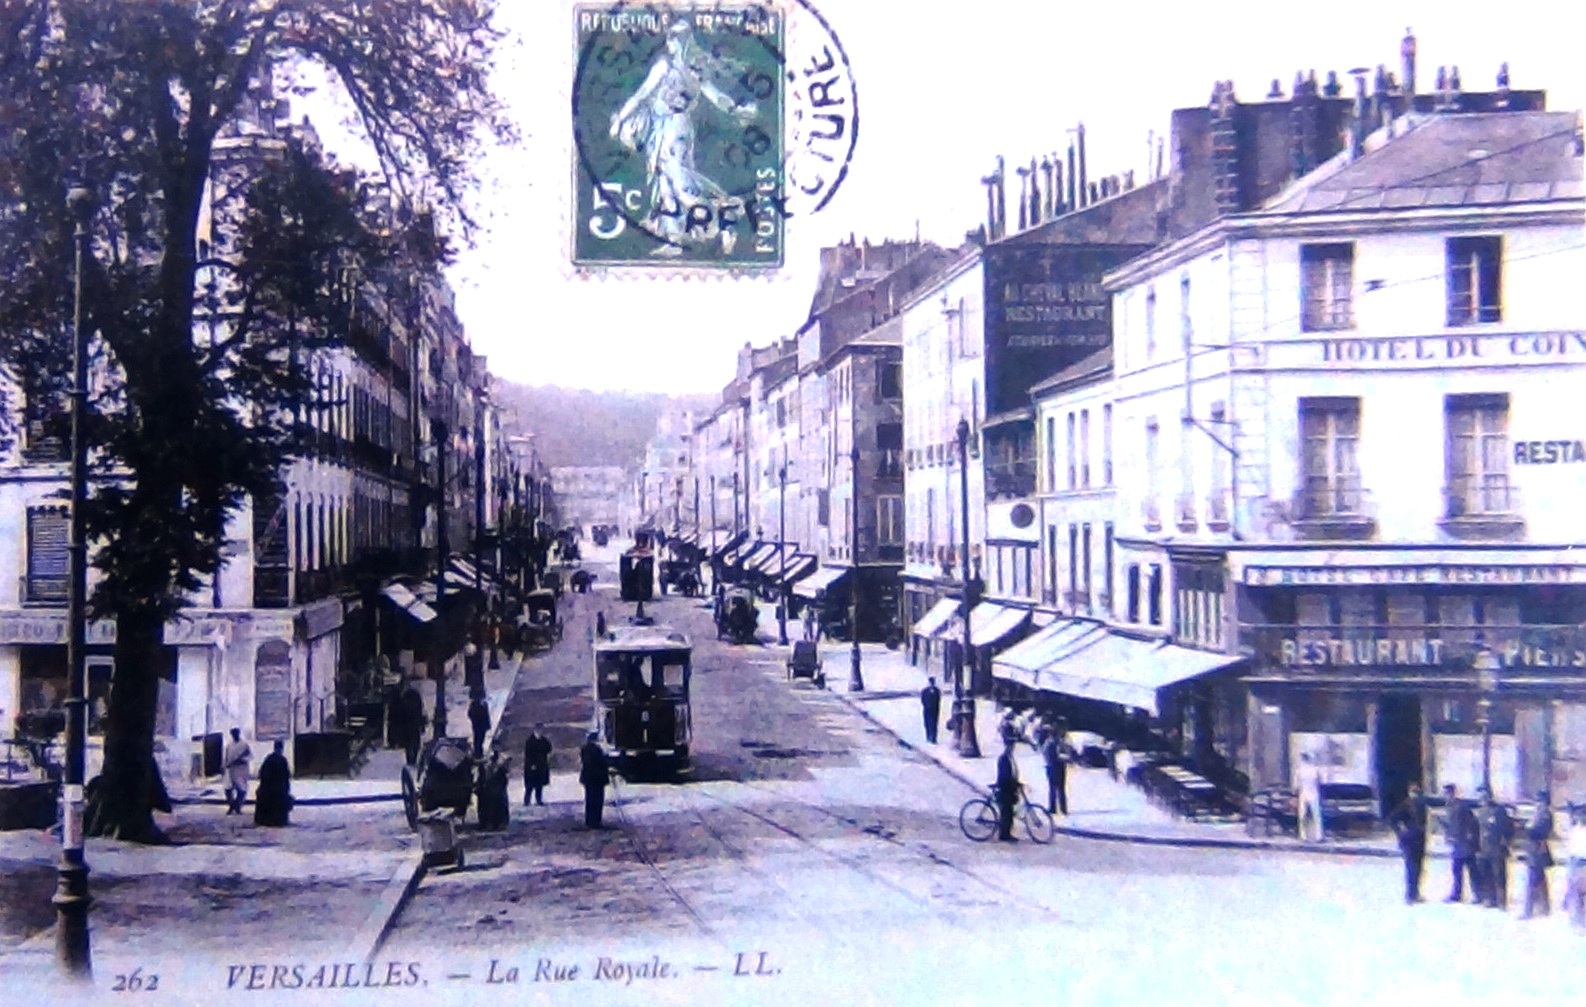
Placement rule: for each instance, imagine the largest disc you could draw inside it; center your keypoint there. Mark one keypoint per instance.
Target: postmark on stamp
(695, 132)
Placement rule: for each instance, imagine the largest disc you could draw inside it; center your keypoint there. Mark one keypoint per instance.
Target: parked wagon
(736, 617)
(444, 778)
(539, 626)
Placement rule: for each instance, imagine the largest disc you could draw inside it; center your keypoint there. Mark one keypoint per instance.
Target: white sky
(942, 91)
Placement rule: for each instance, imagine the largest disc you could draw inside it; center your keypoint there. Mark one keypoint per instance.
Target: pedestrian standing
(479, 717)
(536, 766)
(1007, 792)
(1497, 831)
(412, 723)
(494, 805)
(1308, 786)
(473, 667)
(1055, 754)
(931, 708)
(808, 619)
(234, 763)
(272, 804)
(1408, 822)
(1461, 830)
(1538, 858)
(1575, 865)
(594, 773)
(600, 625)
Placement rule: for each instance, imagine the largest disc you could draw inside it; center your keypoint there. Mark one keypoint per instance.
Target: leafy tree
(128, 98)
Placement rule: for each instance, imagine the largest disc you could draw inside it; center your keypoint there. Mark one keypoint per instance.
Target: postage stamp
(678, 125)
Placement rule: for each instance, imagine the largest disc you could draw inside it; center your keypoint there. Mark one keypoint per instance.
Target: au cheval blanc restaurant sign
(1426, 573)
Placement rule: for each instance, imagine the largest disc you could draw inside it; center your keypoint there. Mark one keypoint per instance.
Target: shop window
(1478, 454)
(1475, 281)
(1327, 287)
(1330, 434)
(49, 530)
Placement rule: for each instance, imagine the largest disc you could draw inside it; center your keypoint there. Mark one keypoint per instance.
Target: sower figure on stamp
(1007, 792)
(536, 767)
(1408, 822)
(234, 763)
(930, 708)
(594, 773)
(1459, 824)
(686, 206)
(272, 803)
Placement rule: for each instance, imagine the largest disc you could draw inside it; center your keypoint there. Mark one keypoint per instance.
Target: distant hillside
(576, 426)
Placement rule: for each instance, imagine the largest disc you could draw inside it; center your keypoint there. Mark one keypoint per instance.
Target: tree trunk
(121, 806)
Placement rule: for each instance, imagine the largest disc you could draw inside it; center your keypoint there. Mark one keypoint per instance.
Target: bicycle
(979, 817)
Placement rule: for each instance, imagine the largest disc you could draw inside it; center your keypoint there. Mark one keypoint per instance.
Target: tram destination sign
(1323, 576)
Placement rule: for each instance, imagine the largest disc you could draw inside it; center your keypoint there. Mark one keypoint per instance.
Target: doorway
(1398, 747)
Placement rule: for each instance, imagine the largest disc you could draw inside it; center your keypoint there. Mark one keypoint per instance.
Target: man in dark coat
(1459, 822)
(1497, 831)
(594, 773)
(1408, 822)
(536, 767)
(272, 802)
(931, 708)
(1007, 792)
(1538, 858)
(494, 805)
(479, 717)
(412, 723)
(1055, 755)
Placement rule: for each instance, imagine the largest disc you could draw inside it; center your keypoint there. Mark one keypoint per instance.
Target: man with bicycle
(1008, 791)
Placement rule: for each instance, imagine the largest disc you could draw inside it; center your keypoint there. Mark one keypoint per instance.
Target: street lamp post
(442, 547)
(1486, 664)
(781, 545)
(71, 897)
(856, 676)
(963, 696)
(713, 577)
(735, 503)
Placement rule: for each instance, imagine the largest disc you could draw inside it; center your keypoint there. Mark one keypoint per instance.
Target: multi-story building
(590, 494)
(1342, 461)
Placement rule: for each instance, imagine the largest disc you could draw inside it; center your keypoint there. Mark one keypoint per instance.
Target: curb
(1099, 835)
(404, 882)
(297, 802)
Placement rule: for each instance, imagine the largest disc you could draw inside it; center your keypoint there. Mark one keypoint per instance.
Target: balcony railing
(1011, 479)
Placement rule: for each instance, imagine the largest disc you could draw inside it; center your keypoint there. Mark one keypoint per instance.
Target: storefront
(1393, 673)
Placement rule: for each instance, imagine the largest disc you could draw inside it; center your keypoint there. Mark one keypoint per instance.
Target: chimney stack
(1357, 120)
(1048, 210)
(1024, 196)
(1082, 160)
(1225, 148)
(1002, 198)
(1073, 176)
(1407, 60)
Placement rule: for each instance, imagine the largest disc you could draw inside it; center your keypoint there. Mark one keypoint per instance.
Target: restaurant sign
(1403, 651)
(1309, 576)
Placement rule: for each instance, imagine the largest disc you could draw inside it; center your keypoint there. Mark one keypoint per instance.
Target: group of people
(1480, 838)
(594, 775)
(272, 801)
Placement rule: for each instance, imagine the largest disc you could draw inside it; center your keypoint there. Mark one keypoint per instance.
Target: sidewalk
(367, 858)
(1099, 806)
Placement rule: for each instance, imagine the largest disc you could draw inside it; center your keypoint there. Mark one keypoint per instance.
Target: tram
(641, 694)
(636, 570)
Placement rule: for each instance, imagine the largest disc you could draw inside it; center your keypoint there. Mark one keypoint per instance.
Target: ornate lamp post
(856, 677)
(1486, 664)
(71, 897)
(781, 545)
(963, 694)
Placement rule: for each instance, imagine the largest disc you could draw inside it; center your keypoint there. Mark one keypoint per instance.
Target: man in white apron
(234, 763)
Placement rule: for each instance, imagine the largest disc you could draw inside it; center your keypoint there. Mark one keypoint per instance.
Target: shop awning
(799, 565)
(820, 581)
(990, 623)
(937, 617)
(771, 563)
(761, 552)
(1086, 660)
(408, 602)
(730, 544)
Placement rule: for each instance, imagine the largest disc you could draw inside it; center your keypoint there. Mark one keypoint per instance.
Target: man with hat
(1497, 830)
(1538, 857)
(1459, 824)
(1408, 822)
(594, 773)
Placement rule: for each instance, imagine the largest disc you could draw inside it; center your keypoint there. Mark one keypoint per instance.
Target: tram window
(672, 672)
(610, 670)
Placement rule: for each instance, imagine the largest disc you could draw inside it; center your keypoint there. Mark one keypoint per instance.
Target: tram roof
(655, 637)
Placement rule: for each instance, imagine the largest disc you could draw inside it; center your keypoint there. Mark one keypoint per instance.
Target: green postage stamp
(678, 133)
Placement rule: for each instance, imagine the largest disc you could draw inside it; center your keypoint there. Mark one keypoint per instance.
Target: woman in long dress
(686, 206)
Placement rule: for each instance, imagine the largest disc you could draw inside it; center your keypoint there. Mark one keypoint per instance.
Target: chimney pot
(1407, 58)
(1276, 91)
